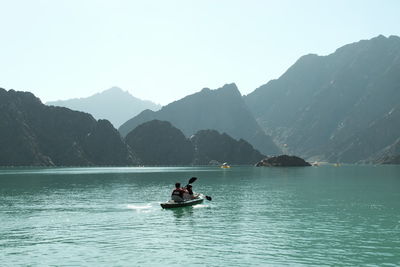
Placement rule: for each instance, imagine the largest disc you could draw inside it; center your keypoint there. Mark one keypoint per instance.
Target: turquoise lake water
(313, 216)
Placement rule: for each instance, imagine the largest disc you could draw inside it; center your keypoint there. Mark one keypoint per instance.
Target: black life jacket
(178, 192)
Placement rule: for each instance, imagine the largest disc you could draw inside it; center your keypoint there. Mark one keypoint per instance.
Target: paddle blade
(191, 180)
(208, 198)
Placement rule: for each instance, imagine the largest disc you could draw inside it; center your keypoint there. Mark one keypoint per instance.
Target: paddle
(191, 180)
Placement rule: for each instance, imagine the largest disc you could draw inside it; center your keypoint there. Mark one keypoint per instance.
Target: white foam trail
(200, 206)
(139, 207)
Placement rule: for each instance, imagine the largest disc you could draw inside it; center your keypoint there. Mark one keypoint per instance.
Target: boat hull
(172, 204)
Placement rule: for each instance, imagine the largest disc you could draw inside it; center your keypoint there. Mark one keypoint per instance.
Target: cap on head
(177, 185)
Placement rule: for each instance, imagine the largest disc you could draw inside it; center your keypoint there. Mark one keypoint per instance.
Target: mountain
(160, 143)
(32, 133)
(377, 142)
(113, 104)
(211, 146)
(344, 107)
(222, 109)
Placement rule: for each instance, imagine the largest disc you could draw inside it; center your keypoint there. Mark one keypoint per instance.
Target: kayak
(225, 165)
(173, 204)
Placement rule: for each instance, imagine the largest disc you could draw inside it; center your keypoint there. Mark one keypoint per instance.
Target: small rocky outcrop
(283, 161)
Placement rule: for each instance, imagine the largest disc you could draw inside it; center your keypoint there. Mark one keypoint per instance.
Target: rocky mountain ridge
(160, 143)
(32, 133)
(340, 108)
(222, 110)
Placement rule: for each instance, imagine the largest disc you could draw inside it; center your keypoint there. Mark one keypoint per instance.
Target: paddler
(188, 194)
(177, 193)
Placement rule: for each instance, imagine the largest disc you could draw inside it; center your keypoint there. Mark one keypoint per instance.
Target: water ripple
(258, 217)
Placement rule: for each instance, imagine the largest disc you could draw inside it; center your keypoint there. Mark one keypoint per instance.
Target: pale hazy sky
(164, 50)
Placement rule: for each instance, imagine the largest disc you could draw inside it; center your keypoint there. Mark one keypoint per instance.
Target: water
(321, 216)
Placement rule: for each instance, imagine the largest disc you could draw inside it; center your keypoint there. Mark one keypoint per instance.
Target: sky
(163, 50)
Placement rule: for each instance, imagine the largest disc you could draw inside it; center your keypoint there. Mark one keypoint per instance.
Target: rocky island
(283, 161)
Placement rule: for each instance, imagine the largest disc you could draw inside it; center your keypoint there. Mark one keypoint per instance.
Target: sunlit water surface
(332, 216)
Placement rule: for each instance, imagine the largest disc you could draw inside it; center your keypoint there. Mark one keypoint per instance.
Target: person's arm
(181, 192)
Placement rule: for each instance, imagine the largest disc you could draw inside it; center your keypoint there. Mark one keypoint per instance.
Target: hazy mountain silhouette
(341, 107)
(32, 133)
(223, 110)
(159, 143)
(113, 104)
(211, 146)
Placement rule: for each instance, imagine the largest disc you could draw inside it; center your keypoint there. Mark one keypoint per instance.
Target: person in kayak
(177, 194)
(188, 194)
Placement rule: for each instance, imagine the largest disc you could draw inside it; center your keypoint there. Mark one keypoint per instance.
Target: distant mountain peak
(115, 88)
(378, 42)
(227, 89)
(230, 86)
(115, 91)
(383, 37)
(113, 104)
(380, 36)
(205, 90)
